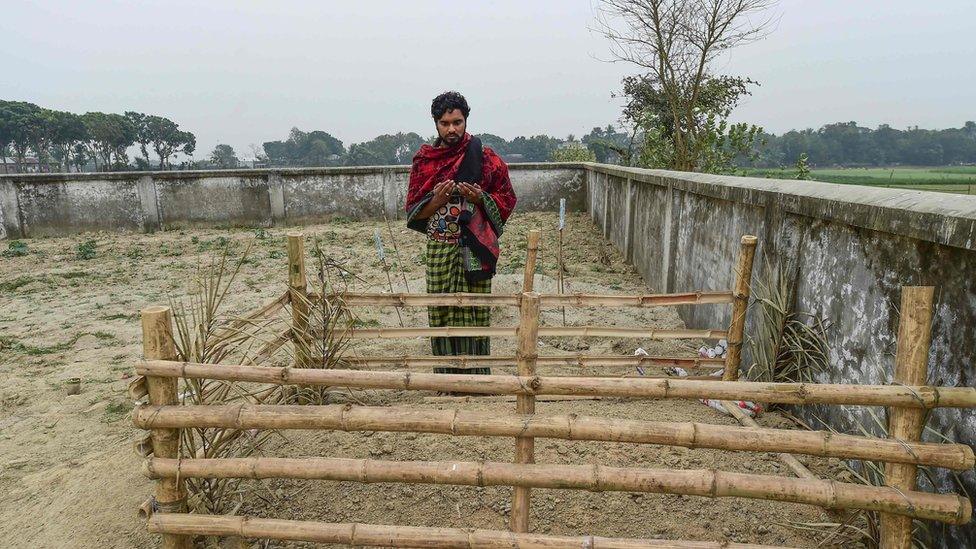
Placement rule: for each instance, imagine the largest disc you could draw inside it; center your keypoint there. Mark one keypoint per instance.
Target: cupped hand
(471, 192)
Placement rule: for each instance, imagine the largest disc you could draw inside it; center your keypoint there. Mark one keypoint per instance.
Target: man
(460, 197)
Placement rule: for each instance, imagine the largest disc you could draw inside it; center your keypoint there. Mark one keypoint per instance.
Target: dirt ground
(69, 478)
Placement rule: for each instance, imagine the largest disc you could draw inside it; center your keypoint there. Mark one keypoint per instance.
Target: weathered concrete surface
(849, 250)
(59, 204)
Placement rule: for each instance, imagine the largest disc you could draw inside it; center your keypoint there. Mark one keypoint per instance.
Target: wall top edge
(261, 172)
(943, 218)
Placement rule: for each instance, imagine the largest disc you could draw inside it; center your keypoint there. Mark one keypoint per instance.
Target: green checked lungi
(445, 274)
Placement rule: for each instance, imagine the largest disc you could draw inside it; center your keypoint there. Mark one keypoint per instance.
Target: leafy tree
(21, 119)
(167, 139)
(386, 149)
(802, 167)
(494, 142)
(138, 121)
(573, 153)
(678, 102)
(224, 157)
(537, 148)
(315, 148)
(7, 130)
(109, 136)
(607, 144)
(67, 131)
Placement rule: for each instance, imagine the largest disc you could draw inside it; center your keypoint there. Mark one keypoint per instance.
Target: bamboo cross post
(531, 251)
(158, 344)
(528, 334)
(905, 424)
(743, 276)
(298, 296)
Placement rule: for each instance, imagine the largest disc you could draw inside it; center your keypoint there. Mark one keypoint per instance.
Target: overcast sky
(245, 72)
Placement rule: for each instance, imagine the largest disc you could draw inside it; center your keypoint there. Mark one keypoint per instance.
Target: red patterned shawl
(432, 165)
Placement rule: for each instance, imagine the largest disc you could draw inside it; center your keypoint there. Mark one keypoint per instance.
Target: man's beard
(451, 139)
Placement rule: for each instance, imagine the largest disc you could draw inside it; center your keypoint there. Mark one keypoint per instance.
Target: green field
(947, 179)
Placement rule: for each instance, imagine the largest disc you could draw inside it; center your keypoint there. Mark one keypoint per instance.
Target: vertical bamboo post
(905, 424)
(528, 347)
(158, 344)
(743, 276)
(298, 295)
(531, 251)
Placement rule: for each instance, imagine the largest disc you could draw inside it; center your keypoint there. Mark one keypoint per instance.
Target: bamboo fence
(907, 399)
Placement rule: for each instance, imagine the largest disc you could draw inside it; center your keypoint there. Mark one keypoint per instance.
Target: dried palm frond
(204, 335)
(787, 346)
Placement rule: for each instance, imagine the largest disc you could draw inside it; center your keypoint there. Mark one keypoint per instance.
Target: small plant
(802, 167)
(261, 234)
(86, 250)
(116, 410)
(16, 248)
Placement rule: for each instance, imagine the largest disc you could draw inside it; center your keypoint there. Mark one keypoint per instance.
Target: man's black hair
(448, 101)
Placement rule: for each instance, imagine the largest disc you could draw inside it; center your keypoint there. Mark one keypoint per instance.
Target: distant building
(29, 165)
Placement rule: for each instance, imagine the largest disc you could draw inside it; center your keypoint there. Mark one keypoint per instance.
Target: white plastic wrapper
(640, 352)
(562, 213)
(751, 409)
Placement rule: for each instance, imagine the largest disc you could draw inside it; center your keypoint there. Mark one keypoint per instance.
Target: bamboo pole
(531, 252)
(528, 350)
(380, 535)
(158, 344)
(459, 422)
(362, 299)
(297, 288)
(575, 360)
(794, 464)
(904, 425)
(743, 278)
(951, 509)
(907, 396)
(501, 331)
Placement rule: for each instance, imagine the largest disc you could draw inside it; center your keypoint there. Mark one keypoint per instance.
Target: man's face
(451, 126)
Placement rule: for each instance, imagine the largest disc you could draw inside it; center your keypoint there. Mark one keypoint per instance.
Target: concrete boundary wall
(39, 205)
(846, 250)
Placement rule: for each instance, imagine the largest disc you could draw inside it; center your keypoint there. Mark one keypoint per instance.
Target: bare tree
(676, 41)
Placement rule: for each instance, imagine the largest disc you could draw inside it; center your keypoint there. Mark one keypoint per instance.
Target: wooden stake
(743, 277)
(911, 368)
(297, 288)
(559, 259)
(907, 396)
(531, 251)
(528, 350)
(158, 344)
(949, 508)
(381, 535)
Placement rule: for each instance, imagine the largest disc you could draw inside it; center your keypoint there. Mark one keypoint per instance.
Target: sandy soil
(68, 477)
